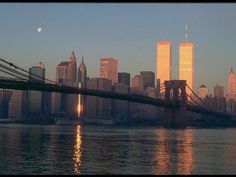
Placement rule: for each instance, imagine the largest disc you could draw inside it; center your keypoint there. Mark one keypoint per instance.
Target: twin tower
(186, 63)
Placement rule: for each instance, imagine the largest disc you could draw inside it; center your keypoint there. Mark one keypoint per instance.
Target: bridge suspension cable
(25, 71)
(202, 102)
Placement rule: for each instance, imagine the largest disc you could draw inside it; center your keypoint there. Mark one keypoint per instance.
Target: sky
(127, 32)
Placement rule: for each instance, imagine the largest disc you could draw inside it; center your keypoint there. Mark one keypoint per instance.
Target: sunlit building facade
(231, 85)
(202, 91)
(109, 69)
(186, 64)
(164, 61)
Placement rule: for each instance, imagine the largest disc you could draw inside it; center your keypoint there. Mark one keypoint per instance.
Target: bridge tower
(175, 92)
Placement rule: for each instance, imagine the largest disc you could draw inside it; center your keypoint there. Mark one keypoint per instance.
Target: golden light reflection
(185, 156)
(79, 106)
(163, 153)
(77, 154)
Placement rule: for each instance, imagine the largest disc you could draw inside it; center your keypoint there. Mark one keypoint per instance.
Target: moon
(39, 29)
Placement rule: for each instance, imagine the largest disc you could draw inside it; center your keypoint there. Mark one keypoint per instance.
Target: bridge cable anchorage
(31, 74)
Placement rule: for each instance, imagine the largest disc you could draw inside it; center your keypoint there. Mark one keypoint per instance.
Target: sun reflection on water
(77, 154)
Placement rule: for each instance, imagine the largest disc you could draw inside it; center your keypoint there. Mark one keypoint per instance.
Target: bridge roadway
(28, 85)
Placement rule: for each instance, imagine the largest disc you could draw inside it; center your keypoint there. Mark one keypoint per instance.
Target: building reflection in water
(163, 152)
(77, 153)
(185, 156)
(172, 154)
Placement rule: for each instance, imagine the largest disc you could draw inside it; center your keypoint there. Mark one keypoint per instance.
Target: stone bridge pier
(175, 92)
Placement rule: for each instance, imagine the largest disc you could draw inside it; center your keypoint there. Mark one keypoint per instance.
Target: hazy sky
(125, 31)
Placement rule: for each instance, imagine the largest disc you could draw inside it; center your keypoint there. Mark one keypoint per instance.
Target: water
(27, 149)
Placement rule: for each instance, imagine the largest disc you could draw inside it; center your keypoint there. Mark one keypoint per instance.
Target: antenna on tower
(186, 33)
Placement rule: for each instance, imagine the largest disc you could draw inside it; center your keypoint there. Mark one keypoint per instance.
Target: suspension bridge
(175, 102)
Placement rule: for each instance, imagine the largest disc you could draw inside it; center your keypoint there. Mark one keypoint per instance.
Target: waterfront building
(121, 108)
(109, 69)
(164, 62)
(98, 108)
(231, 85)
(35, 98)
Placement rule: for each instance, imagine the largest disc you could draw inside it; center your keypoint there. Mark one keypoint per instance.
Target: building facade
(164, 61)
(218, 91)
(99, 108)
(202, 91)
(82, 83)
(231, 85)
(124, 78)
(186, 64)
(109, 69)
(147, 79)
(35, 98)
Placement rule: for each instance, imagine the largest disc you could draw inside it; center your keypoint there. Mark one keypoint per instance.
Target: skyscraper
(218, 91)
(109, 69)
(231, 85)
(82, 73)
(202, 91)
(124, 78)
(99, 108)
(72, 70)
(35, 97)
(82, 81)
(164, 62)
(186, 64)
(147, 79)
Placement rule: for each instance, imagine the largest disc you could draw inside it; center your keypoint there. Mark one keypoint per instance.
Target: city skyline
(100, 30)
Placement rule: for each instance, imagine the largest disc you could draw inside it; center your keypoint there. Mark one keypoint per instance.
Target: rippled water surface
(27, 149)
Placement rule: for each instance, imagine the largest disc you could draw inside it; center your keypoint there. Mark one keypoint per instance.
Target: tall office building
(218, 91)
(147, 79)
(82, 73)
(62, 72)
(231, 85)
(124, 78)
(66, 74)
(164, 61)
(109, 69)
(99, 108)
(72, 68)
(82, 83)
(186, 64)
(35, 97)
(202, 91)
